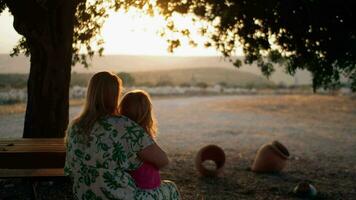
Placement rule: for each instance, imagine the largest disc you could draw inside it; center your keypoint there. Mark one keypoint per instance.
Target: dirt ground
(318, 130)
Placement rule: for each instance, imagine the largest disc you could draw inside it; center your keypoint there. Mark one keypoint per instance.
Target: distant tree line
(19, 81)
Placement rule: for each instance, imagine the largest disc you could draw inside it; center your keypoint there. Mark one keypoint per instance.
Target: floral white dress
(100, 168)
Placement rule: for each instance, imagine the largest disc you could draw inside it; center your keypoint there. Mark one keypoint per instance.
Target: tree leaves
(2, 5)
(21, 47)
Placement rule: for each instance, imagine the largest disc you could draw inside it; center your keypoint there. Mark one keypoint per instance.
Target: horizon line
(147, 55)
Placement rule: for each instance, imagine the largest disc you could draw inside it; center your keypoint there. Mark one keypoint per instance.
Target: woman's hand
(154, 155)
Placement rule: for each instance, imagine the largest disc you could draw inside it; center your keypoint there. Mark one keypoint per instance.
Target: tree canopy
(316, 35)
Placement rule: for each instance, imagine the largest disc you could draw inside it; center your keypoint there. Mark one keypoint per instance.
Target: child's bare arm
(154, 155)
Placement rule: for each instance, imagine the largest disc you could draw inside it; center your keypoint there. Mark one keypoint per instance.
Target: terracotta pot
(213, 153)
(271, 158)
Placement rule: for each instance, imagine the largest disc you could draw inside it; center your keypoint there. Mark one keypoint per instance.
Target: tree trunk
(48, 29)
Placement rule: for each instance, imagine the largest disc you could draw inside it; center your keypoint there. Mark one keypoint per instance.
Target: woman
(102, 147)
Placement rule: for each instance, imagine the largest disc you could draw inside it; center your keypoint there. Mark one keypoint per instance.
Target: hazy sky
(124, 33)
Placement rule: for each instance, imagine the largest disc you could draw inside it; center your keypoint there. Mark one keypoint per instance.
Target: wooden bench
(32, 158)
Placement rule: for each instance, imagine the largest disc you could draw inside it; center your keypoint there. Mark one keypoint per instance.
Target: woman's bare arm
(154, 155)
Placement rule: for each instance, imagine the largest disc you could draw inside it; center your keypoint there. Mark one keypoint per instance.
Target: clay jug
(212, 153)
(271, 158)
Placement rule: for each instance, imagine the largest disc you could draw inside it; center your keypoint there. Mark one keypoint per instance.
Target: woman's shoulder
(117, 120)
(72, 127)
(121, 121)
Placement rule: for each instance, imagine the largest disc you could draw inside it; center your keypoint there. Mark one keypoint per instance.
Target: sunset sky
(134, 34)
(124, 33)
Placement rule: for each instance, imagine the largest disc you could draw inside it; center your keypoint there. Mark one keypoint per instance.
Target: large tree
(316, 35)
(47, 28)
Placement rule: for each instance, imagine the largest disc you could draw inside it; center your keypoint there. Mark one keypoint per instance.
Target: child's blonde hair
(137, 106)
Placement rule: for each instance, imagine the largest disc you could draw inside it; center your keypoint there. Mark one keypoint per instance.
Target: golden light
(129, 33)
(9, 36)
(134, 33)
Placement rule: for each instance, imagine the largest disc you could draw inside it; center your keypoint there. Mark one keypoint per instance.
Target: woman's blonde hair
(102, 99)
(137, 106)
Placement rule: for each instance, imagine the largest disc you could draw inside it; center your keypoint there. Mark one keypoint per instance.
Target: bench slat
(32, 160)
(17, 149)
(32, 157)
(32, 141)
(8, 173)
(32, 145)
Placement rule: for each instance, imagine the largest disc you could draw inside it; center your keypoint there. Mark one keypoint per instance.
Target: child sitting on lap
(137, 106)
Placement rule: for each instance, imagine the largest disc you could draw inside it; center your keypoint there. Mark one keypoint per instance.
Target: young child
(137, 106)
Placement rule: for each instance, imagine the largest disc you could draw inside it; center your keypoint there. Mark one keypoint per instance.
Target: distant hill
(131, 63)
(210, 76)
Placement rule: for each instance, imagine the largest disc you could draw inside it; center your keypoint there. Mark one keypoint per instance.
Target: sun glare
(130, 33)
(9, 36)
(134, 33)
